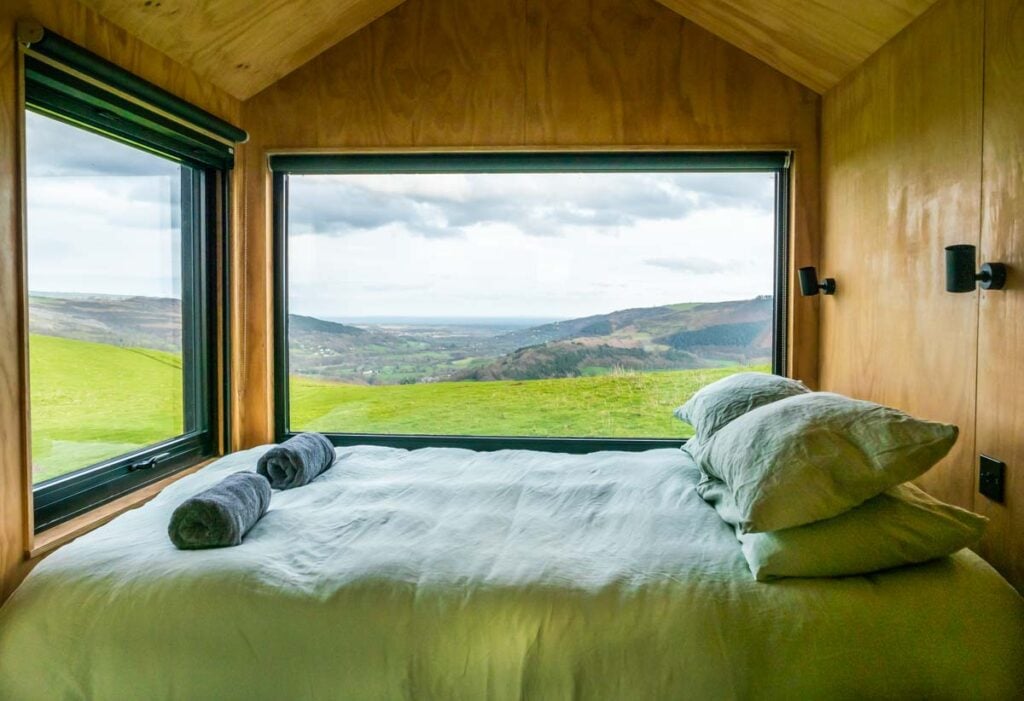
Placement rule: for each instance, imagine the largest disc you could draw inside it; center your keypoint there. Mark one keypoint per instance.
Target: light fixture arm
(992, 276)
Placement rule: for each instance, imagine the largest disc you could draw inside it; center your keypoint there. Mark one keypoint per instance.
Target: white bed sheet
(443, 573)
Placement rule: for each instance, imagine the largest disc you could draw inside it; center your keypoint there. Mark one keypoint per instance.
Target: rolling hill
(669, 337)
(87, 405)
(676, 336)
(90, 355)
(129, 322)
(648, 322)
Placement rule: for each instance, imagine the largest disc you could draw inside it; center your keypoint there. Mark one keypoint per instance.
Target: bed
(443, 573)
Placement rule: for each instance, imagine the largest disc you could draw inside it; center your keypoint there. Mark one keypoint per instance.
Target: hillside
(579, 359)
(130, 322)
(311, 326)
(93, 401)
(647, 323)
(679, 336)
(106, 373)
(670, 337)
(87, 405)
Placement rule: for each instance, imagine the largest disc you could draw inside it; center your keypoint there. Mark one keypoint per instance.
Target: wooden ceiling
(816, 42)
(242, 46)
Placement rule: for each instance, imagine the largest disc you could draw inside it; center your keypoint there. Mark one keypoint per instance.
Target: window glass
(104, 265)
(523, 304)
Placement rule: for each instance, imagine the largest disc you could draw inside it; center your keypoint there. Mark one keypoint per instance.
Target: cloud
(440, 205)
(98, 181)
(498, 272)
(57, 149)
(694, 266)
(342, 207)
(87, 203)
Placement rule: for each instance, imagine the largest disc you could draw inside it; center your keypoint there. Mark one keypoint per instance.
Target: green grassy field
(612, 405)
(92, 401)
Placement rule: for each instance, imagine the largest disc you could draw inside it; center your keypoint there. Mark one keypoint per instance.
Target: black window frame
(71, 85)
(283, 165)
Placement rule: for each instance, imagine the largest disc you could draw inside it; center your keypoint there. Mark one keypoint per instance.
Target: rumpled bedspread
(443, 573)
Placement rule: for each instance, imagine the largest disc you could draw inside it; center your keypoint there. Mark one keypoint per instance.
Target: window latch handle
(148, 463)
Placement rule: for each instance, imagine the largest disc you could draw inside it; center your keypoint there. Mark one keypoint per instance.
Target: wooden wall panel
(441, 73)
(901, 175)
(627, 72)
(13, 506)
(252, 342)
(85, 27)
(922, 148)
(525, 74)
(1000, 419)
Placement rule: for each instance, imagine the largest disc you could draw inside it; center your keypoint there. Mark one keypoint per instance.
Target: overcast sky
(103, 218)
(525, 245)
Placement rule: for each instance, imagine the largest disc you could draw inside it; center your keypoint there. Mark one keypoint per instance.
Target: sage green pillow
(715, 405)
(901, 526)
(816, 455)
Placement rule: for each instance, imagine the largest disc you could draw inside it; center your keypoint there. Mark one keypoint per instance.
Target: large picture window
(121, 252)
(568, 301)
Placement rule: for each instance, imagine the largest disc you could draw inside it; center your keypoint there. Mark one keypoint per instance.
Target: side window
(105, 258)
(122, 251)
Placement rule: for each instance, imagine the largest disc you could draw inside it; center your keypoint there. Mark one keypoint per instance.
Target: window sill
(61, 534)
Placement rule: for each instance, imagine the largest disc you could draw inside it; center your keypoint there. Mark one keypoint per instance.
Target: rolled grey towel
(297, 461)
(220, 516)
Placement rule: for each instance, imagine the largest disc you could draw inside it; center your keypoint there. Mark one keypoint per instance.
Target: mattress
(443, 573)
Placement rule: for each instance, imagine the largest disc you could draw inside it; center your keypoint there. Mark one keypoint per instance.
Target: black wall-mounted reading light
(960, 275)
(809, 285)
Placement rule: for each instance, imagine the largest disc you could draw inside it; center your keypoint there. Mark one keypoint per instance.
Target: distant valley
(409, 351)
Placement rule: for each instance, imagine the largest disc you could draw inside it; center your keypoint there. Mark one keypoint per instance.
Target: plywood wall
(87, 29)
(1000, 412)
(921, 148)
(522, 73)
(13, 507)
(901, 176)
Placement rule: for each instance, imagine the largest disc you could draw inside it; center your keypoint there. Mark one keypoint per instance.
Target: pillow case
(816, 455)
(715, 405)
(901, 526)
